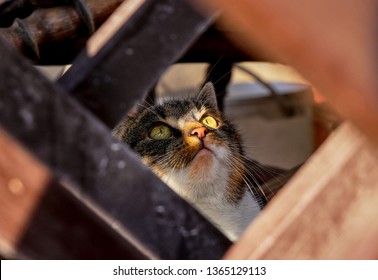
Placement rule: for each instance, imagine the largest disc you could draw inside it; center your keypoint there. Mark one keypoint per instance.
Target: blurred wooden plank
(42, 219)
(19, 191)
(327, 211)
(331, 43)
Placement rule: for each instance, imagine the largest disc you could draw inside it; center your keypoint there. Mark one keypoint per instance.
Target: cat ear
(208, 95)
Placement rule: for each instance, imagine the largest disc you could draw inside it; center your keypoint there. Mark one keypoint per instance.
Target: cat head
(189, 144)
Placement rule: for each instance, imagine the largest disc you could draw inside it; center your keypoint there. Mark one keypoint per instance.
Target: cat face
(189, 145)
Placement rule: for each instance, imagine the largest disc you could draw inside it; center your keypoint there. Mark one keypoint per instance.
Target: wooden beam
(20, 192)
(42, 219)
(327, 211)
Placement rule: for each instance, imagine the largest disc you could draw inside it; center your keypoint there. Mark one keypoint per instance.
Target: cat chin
(202, 162)
(204, 154)
(206, 158)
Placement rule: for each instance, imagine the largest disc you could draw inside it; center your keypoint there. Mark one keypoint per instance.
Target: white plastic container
(271, 137)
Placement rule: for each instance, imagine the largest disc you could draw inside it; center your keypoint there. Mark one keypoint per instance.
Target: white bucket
(270, 137)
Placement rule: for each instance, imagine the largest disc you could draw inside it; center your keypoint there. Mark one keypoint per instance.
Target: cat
(197, 152)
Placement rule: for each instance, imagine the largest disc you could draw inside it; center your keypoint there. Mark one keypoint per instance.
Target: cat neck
(208, 194)
(234, 218)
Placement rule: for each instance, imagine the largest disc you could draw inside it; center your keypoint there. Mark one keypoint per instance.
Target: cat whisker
(275, 175)
(210, 69)
(166, 162)
(258, 197)
(149, 109)
(163, 162)
(245, 178)
(254, 193)
(171, 173)
(260, 169)
(145, 104)
(221, 78)
(151, 102)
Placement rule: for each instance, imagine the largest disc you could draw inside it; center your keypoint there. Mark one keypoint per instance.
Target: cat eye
(160, 132)
(209, 122)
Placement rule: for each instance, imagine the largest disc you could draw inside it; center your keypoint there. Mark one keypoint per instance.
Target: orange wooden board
(327, 211)
(23, 180)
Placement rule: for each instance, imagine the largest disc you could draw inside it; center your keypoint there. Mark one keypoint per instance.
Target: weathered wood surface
(42, 219)
(20, 192)
(326, 211)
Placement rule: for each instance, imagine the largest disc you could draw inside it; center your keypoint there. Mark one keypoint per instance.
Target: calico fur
(212, 172)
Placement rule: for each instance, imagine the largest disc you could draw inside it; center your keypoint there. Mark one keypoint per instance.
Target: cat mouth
(204, 150)
(202, 159)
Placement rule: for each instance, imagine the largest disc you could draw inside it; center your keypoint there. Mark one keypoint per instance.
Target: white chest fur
(232, 219)
(206, 191)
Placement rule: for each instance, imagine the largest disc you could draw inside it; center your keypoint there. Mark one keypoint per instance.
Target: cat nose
(200, 132)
